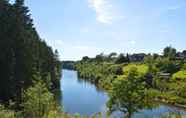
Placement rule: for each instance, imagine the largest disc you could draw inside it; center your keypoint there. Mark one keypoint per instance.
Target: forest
(30, 69)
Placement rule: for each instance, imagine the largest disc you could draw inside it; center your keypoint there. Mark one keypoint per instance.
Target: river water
(82, 97)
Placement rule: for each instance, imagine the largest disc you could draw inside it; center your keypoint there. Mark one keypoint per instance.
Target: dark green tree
(85, 58)
(169, 52)
(23, 53)
(121, 59)
(111, 55)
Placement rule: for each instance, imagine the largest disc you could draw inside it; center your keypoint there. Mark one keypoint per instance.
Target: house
(137, 57)
(181, 55)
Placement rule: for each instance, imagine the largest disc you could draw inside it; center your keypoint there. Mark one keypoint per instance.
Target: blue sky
(88, 27)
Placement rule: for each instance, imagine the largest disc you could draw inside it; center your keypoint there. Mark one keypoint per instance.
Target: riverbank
(90, 101)
(178, 106)
(104, 74)
(156, 99)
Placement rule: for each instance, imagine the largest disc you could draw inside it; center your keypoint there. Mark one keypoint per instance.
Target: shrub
(5, 113)
(142, 69)
(39, 102)
(180, 75)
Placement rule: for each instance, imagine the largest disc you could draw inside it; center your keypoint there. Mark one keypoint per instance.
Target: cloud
(55, 43)
(103, 9)
(174, 7)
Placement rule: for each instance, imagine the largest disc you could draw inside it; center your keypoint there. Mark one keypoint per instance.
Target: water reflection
(81, 96)
(89, 83)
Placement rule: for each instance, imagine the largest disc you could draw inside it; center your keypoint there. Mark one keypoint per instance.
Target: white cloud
(104, 11)
(174, 7)
(55, 43)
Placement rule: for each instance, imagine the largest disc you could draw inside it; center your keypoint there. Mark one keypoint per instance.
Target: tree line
(24, 56)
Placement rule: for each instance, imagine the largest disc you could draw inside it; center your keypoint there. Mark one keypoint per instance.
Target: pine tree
(23, 53)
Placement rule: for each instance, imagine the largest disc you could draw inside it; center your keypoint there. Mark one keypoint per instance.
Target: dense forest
(30, 69)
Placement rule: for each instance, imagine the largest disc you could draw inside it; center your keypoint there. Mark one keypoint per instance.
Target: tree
(155, 56)
(169, 52)
(23, 53)
(166, 65)
(111, 55)
(85, 58)
(121, 59)
(99, 57)
(38, 101)
(127, 94)
(7, 53)
(184, 52)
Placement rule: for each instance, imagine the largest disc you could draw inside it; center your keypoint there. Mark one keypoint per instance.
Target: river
(84, 98)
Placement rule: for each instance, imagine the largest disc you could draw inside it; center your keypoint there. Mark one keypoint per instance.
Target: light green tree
(39, 102)
(128, 94)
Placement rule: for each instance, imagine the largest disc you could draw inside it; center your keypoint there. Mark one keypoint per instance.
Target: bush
(116, 69)
(5, 113)
(180, 75)
(39, 102)
(142, 69)
(166, 65)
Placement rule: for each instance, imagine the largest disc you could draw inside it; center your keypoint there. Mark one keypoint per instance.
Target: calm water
(80, 96)
(83, 97)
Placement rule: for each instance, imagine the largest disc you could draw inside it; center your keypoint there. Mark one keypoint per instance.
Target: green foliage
(180, 89)
(166, 90)
(115, 69)
(180, 75)
(39, 102)
(128, 95)
(166, 65)
(169, 52)
(5, 113)
(142, 69)
(23, 53)
(150, 62)
(102, 74)
(68, 65)
(184, 66)
(121, 59)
